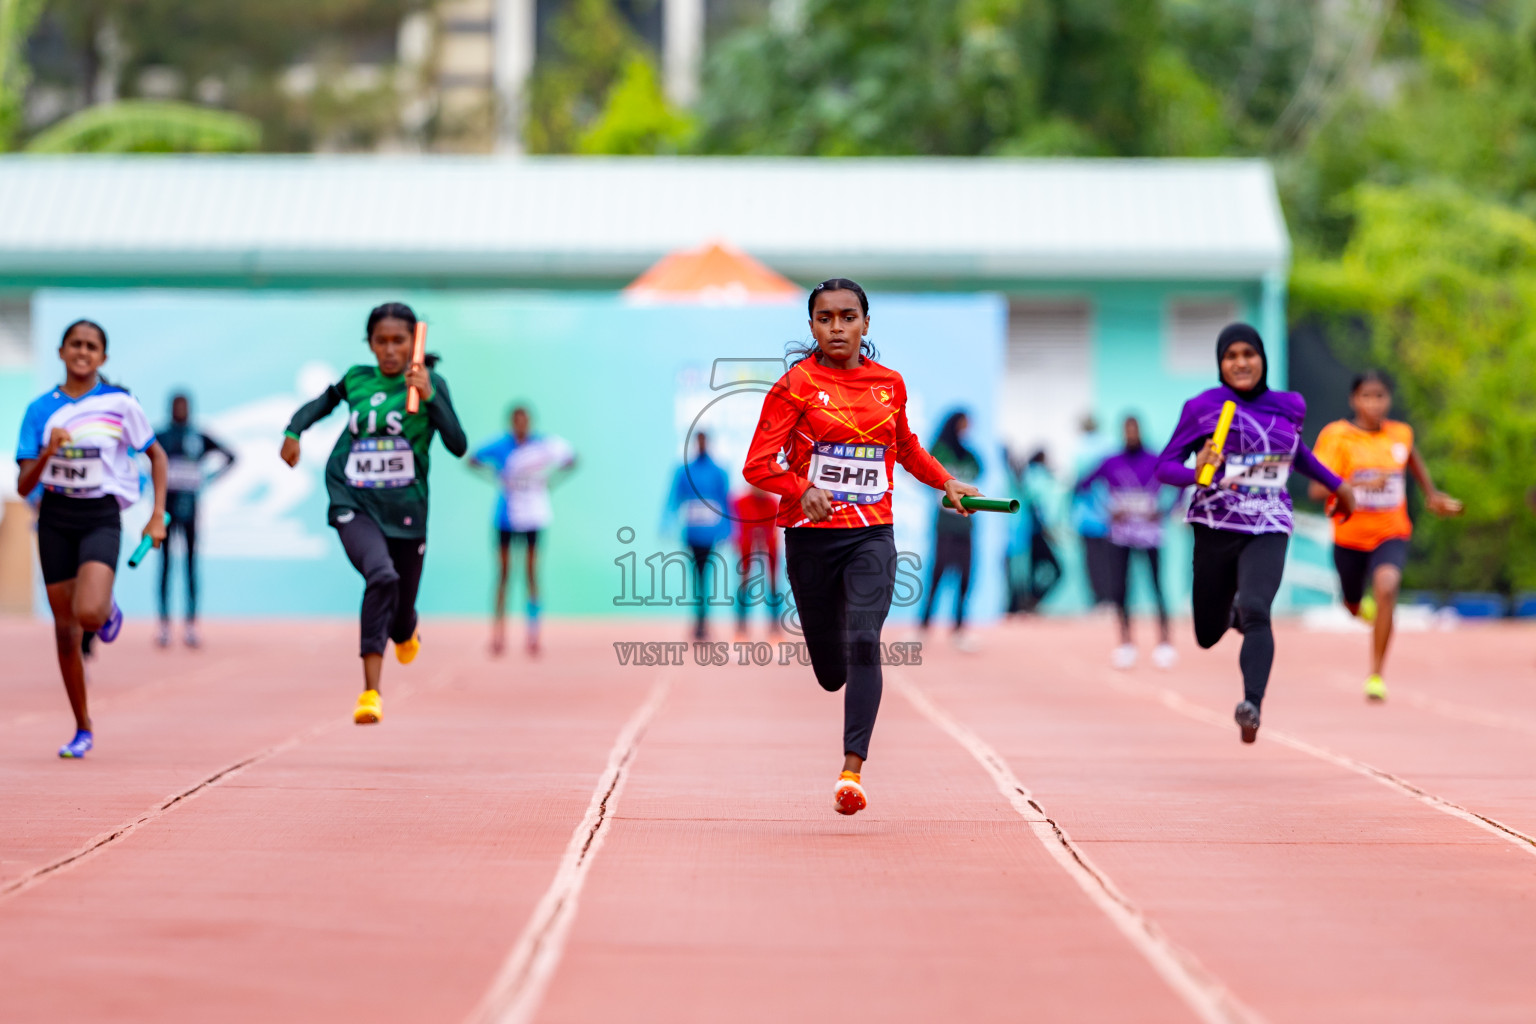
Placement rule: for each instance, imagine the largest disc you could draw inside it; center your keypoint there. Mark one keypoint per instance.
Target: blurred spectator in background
(1033, 568)
(700, 495)
(757, 542)
(1136, 513)
(952, 531)
(524, 464)
(186, 448)
(1090, 511)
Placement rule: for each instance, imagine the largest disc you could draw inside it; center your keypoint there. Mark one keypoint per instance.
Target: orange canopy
(713, 273)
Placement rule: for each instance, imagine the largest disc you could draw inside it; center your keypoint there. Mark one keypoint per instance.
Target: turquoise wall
(623, 383)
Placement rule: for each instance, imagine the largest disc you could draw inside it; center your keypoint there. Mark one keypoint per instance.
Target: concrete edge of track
(1179, 704)
(518, 989)
(1200, 990)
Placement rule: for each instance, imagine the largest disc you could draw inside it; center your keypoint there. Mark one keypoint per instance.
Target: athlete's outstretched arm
(308, 415)
(915, 459)
(1187, 437)
(1308, 465)
(1436, 500)
(159, 470)
(440, 412)
(780, 414)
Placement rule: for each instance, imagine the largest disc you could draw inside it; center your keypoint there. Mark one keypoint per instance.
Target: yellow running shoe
(406, 653)
(1375, 689)
(369, 710)
(848, 797)
(1368, 608)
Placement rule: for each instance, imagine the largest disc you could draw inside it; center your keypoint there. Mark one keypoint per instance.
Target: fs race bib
(77, 472)
(381, 462)
(1257, 472)
(850, 472)
(1376, 491)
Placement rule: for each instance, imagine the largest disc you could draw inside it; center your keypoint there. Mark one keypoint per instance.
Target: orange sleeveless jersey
(843, 431)
(1376, 466)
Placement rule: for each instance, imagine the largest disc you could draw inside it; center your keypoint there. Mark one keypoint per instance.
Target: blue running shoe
(78, 746)
(114, 625)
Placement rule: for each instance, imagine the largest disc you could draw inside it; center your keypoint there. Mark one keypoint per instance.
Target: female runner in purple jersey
(1242, 522)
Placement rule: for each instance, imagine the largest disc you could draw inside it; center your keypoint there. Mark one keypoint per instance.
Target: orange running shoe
(849, 797)
(370, 708)
(406, 653)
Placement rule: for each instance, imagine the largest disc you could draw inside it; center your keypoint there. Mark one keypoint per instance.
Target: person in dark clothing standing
(187, 448)
(952, 531)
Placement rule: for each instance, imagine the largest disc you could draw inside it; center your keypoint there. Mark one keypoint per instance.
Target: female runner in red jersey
(840, 419)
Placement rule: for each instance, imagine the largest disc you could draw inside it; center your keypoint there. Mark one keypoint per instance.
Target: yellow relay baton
(1219, 439)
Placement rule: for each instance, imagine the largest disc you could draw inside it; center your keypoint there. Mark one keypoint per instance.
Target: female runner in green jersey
(376, 478)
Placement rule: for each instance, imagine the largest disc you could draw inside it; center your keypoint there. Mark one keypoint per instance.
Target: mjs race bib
(75, 471)
(381, 462)
(850, 472)
(1257, 472)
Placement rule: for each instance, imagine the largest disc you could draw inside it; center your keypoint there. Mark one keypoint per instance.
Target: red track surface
(571, 840)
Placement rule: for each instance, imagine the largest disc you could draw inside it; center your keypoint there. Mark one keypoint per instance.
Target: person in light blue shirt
(700, 496)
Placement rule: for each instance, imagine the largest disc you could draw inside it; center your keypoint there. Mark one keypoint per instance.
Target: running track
(569, 840)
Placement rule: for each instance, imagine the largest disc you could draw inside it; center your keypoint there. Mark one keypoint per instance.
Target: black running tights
(843, 580)
(1241, 571)
(391, 568)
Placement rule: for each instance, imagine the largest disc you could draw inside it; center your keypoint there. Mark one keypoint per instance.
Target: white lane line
(1210, 1000)
(1175, 701)
(519, 987)
(107, 839)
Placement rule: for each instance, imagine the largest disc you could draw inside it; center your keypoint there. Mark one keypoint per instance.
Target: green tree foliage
(240, 52)
(592, 48)
(1015, 77)
(1447, 281)
(636, 120)
(136, 126)
(16, 20)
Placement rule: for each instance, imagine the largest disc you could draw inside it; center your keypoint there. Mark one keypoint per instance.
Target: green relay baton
(1009, 505)
(144, 546)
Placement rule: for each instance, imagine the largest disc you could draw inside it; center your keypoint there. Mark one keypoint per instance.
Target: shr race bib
(850, 472)
(1257, 472)
(381, 462)
(77, 472)
(1379, 492)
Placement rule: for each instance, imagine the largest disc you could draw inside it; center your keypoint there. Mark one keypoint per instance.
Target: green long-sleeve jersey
(379, 465)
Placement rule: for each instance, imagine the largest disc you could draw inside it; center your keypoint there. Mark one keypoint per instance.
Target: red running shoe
(849, 797)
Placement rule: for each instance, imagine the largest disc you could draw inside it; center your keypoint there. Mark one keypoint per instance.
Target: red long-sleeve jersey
(840, 430)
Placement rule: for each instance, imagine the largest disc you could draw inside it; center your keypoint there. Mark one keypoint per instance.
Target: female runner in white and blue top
(78, 441)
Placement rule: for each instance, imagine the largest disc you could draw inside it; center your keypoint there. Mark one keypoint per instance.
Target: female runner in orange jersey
(1371, 452)
(840, 420)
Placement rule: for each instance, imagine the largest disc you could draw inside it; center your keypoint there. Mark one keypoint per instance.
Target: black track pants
(842, 580)
(187, 527)
(950, 551)
(1120, 584)
(391, 567)
(1241, 570)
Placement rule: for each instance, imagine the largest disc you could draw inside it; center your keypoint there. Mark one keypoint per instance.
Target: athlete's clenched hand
(290, 452)
(817, 504)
